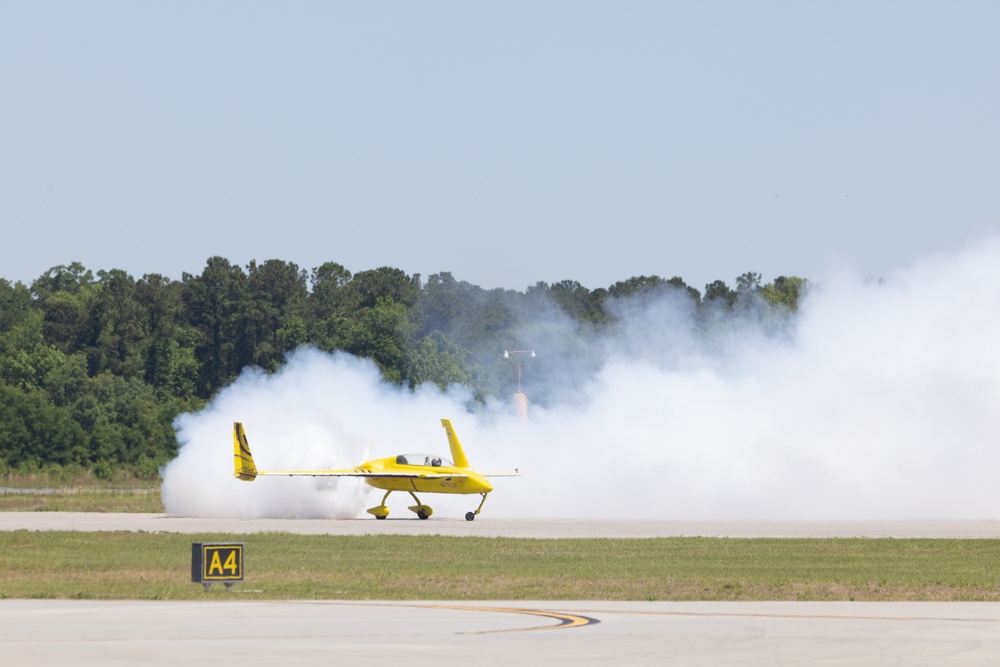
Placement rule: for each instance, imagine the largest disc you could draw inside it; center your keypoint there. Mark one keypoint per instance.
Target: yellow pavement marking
(565, 620)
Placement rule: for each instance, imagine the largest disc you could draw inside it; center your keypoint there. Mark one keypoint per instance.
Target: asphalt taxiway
(419, 634)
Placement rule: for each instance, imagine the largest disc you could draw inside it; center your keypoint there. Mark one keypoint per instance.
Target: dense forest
(94, 369)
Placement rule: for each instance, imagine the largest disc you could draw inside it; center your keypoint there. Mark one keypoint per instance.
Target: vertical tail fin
(243, 467)
(457, 454)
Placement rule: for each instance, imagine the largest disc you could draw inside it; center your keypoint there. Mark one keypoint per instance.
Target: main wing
(355, 473)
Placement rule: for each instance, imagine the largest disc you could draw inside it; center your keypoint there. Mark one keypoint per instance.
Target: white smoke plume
(881, 401)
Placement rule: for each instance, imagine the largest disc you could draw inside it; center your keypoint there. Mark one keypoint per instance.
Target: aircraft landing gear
(381, 511)
(470, 516)
(422, 511)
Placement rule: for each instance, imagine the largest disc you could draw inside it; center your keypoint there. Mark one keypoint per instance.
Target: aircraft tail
(457, 454)
(243, 467)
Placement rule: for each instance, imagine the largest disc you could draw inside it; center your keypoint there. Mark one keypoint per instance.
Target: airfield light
(520, 399)
(506, 355)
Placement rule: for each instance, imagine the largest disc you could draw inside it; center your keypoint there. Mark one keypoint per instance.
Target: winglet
(243, 467)
(457, 455)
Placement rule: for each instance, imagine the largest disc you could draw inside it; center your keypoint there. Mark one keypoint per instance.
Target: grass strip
(81, 499)
(279, 566)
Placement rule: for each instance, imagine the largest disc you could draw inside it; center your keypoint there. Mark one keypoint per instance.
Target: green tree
(25, 357)
(118, 336)
(65, 295)
(718, 293)
(33, 431)
(444, 304)
(122, 418)
(380, 334)
(385, 283)
(68, 382)
(66, 321)
(15, 304)
(636, 285)
(748, 282)
(214, 303)
(275, 294)
(436, 359)
(169, 362)
(652, 286)
(784, 292)
(328, 302)
(677, 283)
(292, 333)
(577, 301)
(74, 278)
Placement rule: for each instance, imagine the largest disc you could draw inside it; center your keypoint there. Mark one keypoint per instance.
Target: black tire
(470, 516)
(422, 514)
(380, 517)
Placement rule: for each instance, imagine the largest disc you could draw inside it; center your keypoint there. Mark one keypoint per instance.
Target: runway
(498, 527)
(427, 634)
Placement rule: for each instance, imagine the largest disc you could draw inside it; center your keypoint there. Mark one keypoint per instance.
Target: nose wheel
(471, 516)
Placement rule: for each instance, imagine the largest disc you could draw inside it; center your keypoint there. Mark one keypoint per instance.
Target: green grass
(283, 566)
(57, 489)
(54, 476)
(82, 499)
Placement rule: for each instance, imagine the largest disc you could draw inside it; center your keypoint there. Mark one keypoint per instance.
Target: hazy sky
(505, 142)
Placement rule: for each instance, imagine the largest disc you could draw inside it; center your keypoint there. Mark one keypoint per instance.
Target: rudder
(457, 453)
(243, 467)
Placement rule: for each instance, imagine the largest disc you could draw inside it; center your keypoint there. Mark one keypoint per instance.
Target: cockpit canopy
(423, 460)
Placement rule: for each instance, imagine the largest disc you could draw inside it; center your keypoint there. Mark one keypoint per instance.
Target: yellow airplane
(406, 472)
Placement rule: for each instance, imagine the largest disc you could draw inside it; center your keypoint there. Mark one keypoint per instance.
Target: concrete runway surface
(494, 527)
(89, 632)
(86, 632)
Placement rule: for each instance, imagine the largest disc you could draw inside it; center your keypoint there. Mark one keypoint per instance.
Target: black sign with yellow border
(216, 562)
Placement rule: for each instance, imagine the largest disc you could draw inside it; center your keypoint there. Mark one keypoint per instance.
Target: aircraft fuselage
(442, 479)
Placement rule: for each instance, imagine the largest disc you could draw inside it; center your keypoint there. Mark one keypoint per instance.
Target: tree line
(94, 368)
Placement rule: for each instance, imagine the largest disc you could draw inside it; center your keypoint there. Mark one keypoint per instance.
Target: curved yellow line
(565, 620)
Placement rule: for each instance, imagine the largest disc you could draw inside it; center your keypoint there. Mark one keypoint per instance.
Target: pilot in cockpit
(436, 461)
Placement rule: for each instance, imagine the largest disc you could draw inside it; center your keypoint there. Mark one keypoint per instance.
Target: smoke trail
(318, 411)
(881, 402)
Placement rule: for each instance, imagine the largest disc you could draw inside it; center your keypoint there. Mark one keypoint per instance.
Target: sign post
(216, 562)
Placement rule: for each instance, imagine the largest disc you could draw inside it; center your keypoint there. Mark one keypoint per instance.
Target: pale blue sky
(505, 142)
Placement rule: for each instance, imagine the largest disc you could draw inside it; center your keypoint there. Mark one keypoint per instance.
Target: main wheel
(470, 516)
(422, 514)
(380, 517)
